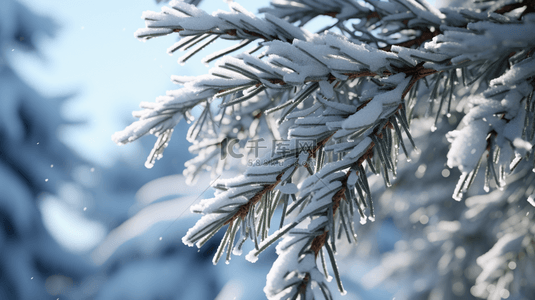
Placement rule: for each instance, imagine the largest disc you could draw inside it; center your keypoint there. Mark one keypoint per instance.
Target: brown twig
(367, 155)
(318, 242)
(303, 285)
(508, 8)
(244, 209)
(312, 153)
(365, 74)
(373, 15)
(417, 72)
(331, 14)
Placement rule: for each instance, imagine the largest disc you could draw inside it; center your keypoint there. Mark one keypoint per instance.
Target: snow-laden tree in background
(32, 163)
(339, 104)
(452, 250)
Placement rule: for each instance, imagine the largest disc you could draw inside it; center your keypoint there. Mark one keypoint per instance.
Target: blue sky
(96, 58)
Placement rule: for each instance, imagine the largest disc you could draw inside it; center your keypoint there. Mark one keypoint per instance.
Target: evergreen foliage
(340, 105)
(33, 162)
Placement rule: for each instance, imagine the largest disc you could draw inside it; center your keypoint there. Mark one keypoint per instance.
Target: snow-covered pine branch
(304, 11)
(495, 125)
(197, 27)
(353, 93)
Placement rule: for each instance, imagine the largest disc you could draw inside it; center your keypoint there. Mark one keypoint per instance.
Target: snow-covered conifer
(341, 102)
(33, 162)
